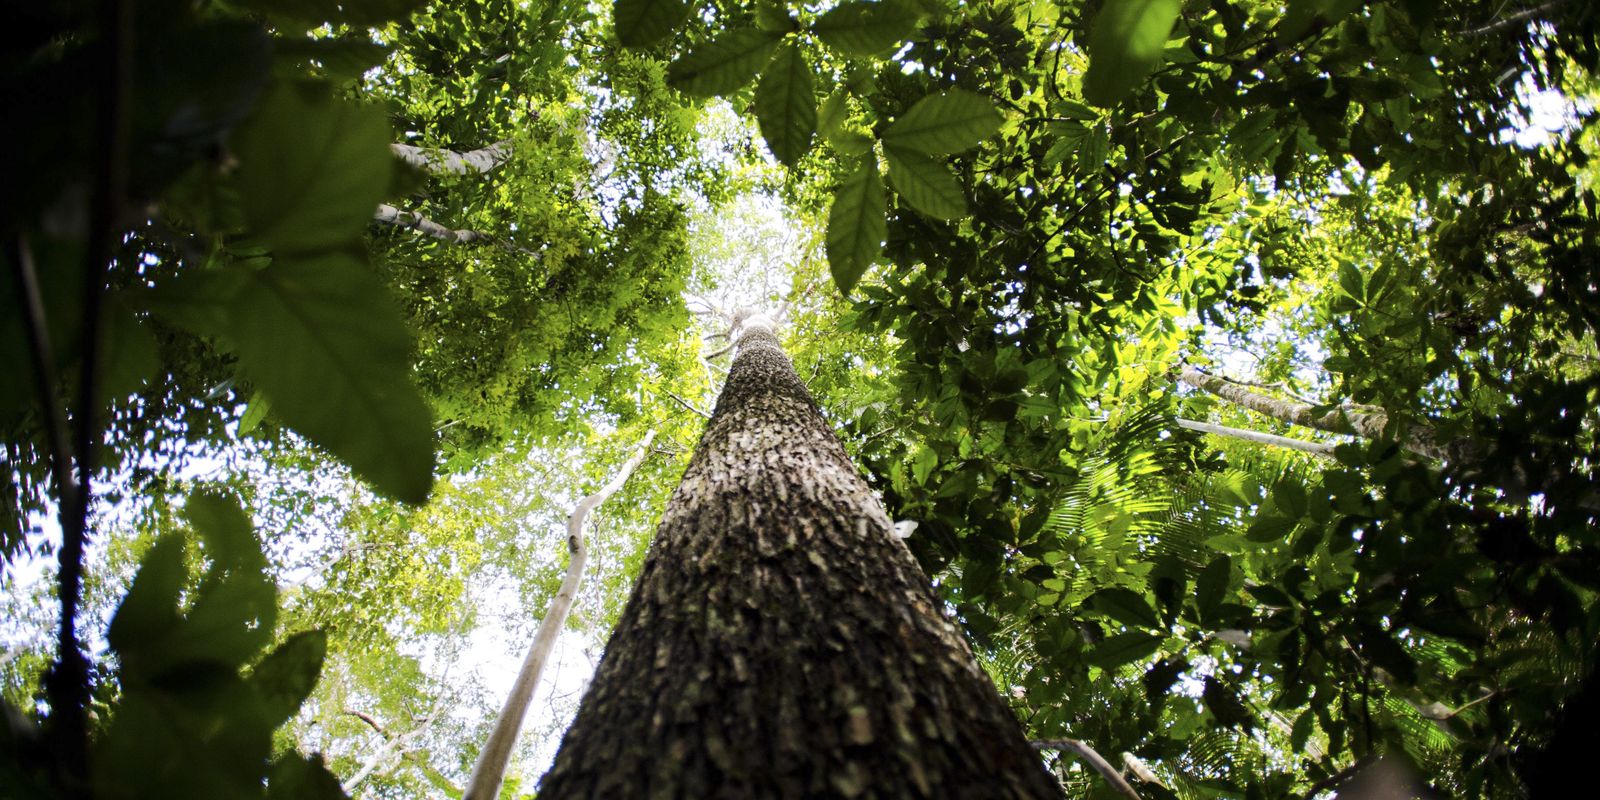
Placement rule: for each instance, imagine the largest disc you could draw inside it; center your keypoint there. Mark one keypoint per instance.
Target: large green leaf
(320, 338)
(644, 22)
(1125, 606)
(286, 676)
(724, 65)
(1124, 648)
(866, 29)
(928, 185)
(1125, 45)
(786, 106)
(944, 123)
(856, 225)
(324, 346)
(149, 611)
(361, 13)
(312, 168)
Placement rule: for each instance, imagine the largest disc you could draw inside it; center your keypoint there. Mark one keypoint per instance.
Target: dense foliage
(1039, 244)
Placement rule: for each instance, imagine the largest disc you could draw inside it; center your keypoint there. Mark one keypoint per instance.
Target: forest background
(341, 307)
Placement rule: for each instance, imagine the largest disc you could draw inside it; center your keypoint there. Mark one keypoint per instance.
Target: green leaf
(945, 123)
(724, 65)
(1212, 585)
(929, 186)
(149, 611)
(225, 528)
(312, 169)
(1125, 46)
(866, 29)
(1290, 496)
(255, 412)
(320, 339)
(1124, 648)
(339, 57)
(1125, 606)
(644, 22)
(786, 107)
(297, 777)
(286, 676)
(857, 225)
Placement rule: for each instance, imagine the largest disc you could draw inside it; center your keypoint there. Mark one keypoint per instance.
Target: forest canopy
(1230, 367)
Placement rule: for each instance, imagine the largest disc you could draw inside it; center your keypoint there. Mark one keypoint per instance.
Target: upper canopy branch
(450, 162)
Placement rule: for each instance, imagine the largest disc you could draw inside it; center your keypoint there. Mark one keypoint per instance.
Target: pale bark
(1366, 423)
(1318, 448)
(780, 641)
(441, 161)
(390, 215)
(490, 770)
(1089, 756)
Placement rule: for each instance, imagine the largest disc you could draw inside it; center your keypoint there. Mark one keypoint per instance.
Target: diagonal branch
(389, 215)
(1088, 755)
(1318, 448)
(490, 770)
(440, 161)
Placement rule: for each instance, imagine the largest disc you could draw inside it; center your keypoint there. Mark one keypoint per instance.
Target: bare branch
(686, 404)
(1319, 448)
(1512, 19)
(441, 161)
(1093, 759)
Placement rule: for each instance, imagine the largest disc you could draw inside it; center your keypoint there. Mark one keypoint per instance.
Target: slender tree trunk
(781, 642)
(490, 771)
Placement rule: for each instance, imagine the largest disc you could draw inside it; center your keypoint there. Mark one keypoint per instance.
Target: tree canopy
(1236, 362)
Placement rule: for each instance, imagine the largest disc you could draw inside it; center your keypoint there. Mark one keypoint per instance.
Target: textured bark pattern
(780, 642)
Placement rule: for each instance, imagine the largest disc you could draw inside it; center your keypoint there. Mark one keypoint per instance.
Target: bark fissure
(780, 641)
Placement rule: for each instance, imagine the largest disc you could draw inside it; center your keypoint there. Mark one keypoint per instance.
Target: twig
(1319, 448)
(1093, 759)
(685, 404)
(1512, 19)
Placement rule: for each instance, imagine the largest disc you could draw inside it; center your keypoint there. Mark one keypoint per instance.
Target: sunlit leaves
(856, 225)
(644, 22)
(862, 28)
(944, 123)
(1125, 45)
(786, 106)
(312, 169)
(925, 183)
(726, 64)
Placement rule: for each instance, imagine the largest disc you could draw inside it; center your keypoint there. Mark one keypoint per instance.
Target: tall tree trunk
(781, 642)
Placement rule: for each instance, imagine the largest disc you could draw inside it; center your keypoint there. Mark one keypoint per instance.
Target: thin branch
(42, 357)
(490, 770)
(1512, 19)
(1319, 448)
(1093, 759)
(686, 404)
(390, 215)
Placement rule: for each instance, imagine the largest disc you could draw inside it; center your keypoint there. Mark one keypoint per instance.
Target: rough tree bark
(780, 641)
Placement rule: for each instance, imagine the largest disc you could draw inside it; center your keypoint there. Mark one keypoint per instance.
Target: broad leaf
(856, 225)
(285, 678)
(644, 22)
(1125, 45)
(312, 169)
(1125, 606)
(297, 777)
(1124, 648)
(724, 65)
(944, 123)
(149, 611)
(786, 107)
(1212, 584)
(319, 337)
(928, 185)
(866, 29)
